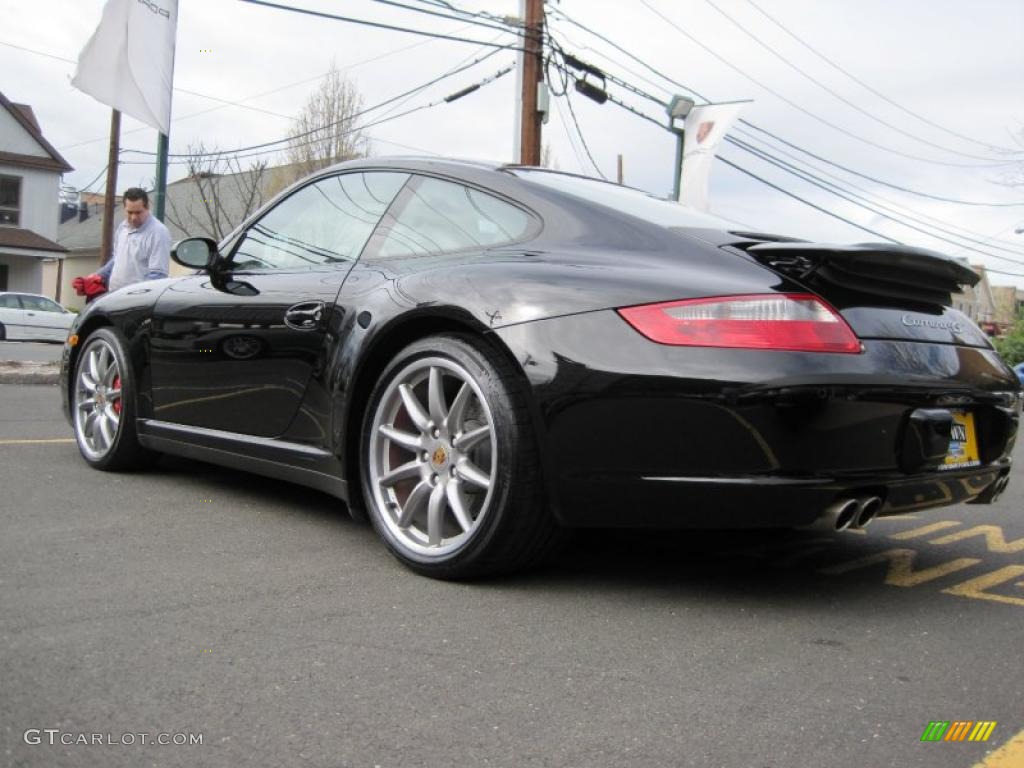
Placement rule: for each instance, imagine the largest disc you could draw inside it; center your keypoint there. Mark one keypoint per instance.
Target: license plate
(963, 443)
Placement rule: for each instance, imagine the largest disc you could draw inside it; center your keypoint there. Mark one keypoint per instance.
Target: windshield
(635, 202)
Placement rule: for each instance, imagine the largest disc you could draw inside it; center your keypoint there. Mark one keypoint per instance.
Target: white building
(30, 171)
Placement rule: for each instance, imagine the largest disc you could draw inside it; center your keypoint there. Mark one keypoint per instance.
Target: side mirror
(195, 252)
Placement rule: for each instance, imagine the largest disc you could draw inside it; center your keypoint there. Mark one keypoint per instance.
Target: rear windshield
(626, 199)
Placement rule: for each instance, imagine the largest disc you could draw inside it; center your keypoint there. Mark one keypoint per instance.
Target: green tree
(1011, 346)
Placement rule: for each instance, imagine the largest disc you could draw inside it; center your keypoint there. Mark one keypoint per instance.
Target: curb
(22, 372)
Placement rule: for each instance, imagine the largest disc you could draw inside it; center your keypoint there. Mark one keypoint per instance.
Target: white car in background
(30, 317)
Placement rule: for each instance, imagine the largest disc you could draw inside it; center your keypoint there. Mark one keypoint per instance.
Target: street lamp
(678, 108)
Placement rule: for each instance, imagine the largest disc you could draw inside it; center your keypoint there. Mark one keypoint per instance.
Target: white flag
(128, 62)
(705, 128)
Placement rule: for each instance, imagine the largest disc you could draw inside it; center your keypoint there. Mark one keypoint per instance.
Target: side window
(35, 303)
(434, 216)
(9, 301)
(51, 306)
(322, 223)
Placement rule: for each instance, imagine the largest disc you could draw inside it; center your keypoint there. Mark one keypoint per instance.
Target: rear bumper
(767, 501)
(634, 433)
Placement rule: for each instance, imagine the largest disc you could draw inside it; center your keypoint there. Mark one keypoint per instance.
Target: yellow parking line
(36, 442)
(1010, 755)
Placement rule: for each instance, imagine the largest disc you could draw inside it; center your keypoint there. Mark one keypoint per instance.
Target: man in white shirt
(142, 245)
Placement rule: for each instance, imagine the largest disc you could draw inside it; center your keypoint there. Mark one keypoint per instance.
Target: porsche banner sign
(128, 62)
(705, 128)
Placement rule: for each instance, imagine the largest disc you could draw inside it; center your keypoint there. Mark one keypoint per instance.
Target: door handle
(305, 316)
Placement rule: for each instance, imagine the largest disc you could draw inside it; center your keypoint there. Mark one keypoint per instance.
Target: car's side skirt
(294, 462)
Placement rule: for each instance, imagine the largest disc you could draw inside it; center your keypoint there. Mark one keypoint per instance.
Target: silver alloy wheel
(433, 457)
(98, 404)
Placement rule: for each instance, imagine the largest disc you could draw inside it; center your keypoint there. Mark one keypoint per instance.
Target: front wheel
(103, 404)
(450, 468)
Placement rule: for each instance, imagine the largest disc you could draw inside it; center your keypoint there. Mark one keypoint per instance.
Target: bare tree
(217, 195)
(325, 130)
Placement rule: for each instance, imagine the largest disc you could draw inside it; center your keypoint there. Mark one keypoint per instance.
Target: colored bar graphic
(958, 730)
(982, 730)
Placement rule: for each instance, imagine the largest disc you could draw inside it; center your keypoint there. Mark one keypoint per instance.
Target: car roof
(25, 293)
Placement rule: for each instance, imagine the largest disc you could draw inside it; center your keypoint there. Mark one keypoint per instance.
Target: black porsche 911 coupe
(477, 356)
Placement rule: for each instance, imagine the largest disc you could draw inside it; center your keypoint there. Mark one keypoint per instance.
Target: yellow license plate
(963, 443)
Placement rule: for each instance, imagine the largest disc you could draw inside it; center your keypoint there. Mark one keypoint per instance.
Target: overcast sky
(957, 65)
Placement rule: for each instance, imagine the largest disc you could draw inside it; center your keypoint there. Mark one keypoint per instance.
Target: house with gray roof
(31, 260)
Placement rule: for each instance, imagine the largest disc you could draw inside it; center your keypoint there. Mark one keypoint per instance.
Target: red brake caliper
(117, 403)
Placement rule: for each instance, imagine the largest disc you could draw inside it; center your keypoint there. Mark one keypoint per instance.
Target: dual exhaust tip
(854, 514)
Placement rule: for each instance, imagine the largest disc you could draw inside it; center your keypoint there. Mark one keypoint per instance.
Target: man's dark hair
(135, 193)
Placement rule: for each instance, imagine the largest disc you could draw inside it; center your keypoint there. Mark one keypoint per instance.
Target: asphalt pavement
(34, 351)
(191, 601)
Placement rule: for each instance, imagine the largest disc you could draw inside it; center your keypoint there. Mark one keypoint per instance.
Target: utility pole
(107, 230)
(532, 76)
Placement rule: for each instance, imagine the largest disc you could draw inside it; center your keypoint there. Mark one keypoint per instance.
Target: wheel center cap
(439, 457)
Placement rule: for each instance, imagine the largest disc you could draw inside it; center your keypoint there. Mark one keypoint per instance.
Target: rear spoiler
(898, 271)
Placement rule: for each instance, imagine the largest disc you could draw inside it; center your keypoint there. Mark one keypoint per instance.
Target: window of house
(10, 200)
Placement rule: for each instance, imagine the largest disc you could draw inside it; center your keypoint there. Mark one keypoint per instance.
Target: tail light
(785, 321)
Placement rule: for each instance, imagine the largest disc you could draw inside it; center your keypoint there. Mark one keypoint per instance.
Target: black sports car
(477, 356)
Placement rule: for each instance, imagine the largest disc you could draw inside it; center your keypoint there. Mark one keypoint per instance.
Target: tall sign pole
(160, 193)
(532, 76)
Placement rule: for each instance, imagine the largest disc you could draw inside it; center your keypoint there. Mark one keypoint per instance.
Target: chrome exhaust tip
(838, 516)
(1000, 486)
(867, 510)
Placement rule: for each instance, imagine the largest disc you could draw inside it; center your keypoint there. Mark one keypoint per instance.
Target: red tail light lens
(785, 321)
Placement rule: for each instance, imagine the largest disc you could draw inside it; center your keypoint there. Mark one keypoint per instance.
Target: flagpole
(160, 193)
(106, 242)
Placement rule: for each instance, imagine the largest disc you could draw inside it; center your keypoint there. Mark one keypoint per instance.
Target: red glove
(79, 285)
(93, 285)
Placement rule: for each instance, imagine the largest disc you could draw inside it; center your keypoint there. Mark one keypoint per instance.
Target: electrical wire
(378, 25)
(835, 94)
(241, 102)
(858, 200)
(504, 27)
(833, 189)
(914, 215)
(688, 89)
(800, 108)
(869, 88)
(381, 121)
(288, 139)
(786, 192)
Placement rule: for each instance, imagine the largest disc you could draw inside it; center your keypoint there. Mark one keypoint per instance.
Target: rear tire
(450, 469)
(103, 404)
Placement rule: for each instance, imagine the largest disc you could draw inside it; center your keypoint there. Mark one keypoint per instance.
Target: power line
(379, 25)
(908, 190)
(697, 94)
(910, 213)
(345, 119)
(868, 87)
(240, 102)
(835, 190)
(381, 121)
(504, 27)
(786, 192)
(835, 93)
(807, 112)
